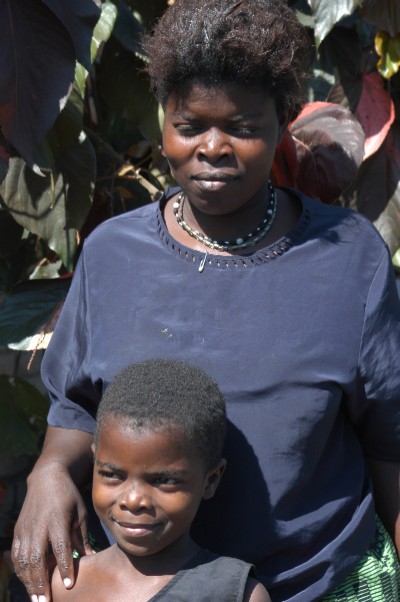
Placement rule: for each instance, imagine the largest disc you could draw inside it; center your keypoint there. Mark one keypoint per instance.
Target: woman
(289, 304)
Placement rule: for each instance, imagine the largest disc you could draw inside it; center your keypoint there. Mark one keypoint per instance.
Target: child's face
(220, 143)
(147, 486)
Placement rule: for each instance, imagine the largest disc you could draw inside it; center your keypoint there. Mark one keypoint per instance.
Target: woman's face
(220, 143)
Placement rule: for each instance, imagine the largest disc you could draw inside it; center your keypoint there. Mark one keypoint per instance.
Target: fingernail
(67, 583)
(34, 598)
(42, 599)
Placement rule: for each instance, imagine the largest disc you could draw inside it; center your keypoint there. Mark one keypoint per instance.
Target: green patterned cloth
(377, 576)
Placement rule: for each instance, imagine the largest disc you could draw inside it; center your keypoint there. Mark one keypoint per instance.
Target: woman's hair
(258, 43)
(157, 394)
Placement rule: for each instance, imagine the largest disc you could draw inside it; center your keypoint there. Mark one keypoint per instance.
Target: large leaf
(39, 42)
(375, 112)
(54, 206)
(122, 85)
(375, 190)
(79, 18)
(327, 13)
(384, 14)
(128, 30)
(10, 234)
(329, 146)
(101, 33)
(27, 310)
(388, 222)
(22, 417)
(37, 63)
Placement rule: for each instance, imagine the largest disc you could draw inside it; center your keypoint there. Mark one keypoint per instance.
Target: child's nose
(135, 498)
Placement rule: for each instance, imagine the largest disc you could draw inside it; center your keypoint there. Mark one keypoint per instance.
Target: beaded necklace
(247, 240)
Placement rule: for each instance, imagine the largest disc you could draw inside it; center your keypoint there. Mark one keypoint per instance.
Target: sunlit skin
(147, 487)
(220, 143)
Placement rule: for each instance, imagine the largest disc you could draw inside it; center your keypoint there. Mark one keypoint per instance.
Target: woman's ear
(93, 448)
(213, 478)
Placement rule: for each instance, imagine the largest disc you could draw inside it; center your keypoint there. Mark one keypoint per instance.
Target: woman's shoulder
(336, 223)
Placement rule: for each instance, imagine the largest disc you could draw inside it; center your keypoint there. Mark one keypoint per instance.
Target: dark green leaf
(79, 18)
(124, 89)
(328, 13)
(10, 234)
(22, 417)
(37, 63)
(384, 14)
(54, 206)
(25, 311)
(127, 30)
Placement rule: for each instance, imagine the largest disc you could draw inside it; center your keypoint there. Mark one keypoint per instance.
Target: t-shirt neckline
(201, 259)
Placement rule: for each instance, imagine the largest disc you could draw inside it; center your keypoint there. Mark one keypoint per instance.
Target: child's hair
(162, 393)
(259, 43)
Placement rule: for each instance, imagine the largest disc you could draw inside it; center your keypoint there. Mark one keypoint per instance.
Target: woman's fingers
(30, 564)
(79, 531)
(60, 541)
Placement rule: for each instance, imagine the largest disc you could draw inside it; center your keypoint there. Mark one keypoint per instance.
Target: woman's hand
(53, 517)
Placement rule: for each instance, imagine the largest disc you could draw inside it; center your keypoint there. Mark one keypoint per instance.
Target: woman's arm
(53, 511)
(386, 482)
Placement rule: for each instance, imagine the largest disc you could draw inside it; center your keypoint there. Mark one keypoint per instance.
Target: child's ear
(213, 479)
(93, 448)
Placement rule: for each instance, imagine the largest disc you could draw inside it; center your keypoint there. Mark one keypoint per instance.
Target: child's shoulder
(88, 570)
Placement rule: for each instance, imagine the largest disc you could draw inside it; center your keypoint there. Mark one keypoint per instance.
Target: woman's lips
(210, 181)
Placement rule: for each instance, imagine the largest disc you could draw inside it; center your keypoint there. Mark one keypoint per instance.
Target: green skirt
(377, 576)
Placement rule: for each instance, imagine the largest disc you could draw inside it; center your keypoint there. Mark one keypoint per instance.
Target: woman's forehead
(231, 94)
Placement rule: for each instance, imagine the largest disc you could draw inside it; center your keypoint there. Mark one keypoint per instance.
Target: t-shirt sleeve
(66, 364)
(377, 415)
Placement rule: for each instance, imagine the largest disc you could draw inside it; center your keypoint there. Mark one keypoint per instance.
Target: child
(157, 453)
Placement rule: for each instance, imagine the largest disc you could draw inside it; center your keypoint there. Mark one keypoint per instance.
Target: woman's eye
(243, 131)
(109, 475)
(187, 129)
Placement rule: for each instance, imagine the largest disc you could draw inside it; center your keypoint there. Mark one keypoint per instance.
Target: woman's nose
(213, 145)
(135, 498)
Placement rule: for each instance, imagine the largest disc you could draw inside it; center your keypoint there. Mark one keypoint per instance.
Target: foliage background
(80, 142)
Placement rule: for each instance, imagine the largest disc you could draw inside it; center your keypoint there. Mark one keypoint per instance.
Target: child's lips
(137, 529)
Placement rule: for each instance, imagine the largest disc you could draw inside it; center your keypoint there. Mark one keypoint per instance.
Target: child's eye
(166, 481)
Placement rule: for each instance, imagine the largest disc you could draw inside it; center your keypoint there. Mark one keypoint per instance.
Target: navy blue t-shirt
(303, 338)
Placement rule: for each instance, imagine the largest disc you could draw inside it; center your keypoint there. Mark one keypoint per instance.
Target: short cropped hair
(259, 43)
(163, 393)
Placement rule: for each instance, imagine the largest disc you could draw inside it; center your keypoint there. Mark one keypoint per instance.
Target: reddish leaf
(329, 143)
(311, 107)
(284, 169)
(375, 112)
